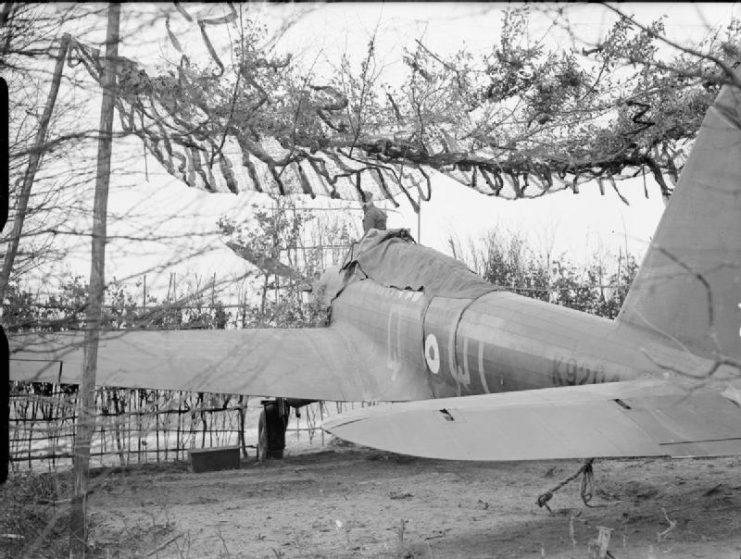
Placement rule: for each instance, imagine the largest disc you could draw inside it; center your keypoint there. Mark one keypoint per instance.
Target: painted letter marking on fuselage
(570, 372)
(482, 373)
(460, 376)
(480, 362)
(393, 341)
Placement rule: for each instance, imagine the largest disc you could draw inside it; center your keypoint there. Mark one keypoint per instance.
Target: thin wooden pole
(117, 418)
(180, 420)
(242, 412)
(86, 408)
(419, 217)
(138, 400)
(321, 417)
(129, 425)
(157, 414)
(33, 165)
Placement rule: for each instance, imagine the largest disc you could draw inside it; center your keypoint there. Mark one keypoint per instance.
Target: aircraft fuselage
(495, 343)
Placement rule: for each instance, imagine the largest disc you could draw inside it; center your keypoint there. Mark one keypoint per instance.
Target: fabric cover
(394, 259)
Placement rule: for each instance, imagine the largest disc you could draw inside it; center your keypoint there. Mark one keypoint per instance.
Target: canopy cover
(394, 259)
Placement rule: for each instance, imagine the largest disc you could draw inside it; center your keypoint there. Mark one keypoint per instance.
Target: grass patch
(34, 518)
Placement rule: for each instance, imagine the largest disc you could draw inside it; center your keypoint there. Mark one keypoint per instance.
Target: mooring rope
(587, 486)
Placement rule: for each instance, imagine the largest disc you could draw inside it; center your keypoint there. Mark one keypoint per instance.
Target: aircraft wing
(622, 419)
(309, 363)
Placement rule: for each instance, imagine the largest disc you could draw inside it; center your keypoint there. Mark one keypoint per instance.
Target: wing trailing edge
(622, 419)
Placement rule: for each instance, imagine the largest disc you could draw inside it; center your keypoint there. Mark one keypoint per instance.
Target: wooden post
(157, 424)
(242, 417)
(33, 165)
(138, 400)
(117, 418)
(419, 217)
(86, 402)
(321, 417)
(177, 434)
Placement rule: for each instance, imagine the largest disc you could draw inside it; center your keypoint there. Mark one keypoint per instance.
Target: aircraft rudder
(688, 288)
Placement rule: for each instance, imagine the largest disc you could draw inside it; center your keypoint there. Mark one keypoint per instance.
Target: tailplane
(688, 288)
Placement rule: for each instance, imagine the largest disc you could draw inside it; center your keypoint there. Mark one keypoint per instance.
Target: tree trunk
(86, 403)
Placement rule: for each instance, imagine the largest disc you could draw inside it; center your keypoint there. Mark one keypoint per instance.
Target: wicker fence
(137, 426)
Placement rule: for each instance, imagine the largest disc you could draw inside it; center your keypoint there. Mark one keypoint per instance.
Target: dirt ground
(351, 502)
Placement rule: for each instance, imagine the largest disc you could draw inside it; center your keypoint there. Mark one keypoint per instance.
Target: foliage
(507, 262)
(65, 309)
(594, 290)
(520, 117)
(276, 235)
(274, 243)
(510, 265)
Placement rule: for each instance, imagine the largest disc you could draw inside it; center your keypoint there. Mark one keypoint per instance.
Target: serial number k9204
(570, 372)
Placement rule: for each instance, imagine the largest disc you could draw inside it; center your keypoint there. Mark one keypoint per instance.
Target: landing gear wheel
(271, 430)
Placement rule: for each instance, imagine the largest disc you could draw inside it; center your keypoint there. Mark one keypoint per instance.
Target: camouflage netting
(245, 132)
(208, 155)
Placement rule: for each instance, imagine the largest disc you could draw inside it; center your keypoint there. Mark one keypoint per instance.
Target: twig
(164, 545)
(672, 525)
(726, 69)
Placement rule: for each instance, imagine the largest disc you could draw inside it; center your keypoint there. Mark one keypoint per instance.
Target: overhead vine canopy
(518, 121)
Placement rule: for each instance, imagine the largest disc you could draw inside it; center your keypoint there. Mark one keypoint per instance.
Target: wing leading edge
(311, 363)
(622, 419)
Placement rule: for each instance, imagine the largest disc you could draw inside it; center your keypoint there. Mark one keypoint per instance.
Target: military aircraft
(487, 374)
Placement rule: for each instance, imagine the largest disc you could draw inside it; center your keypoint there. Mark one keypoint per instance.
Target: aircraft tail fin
(689, 285)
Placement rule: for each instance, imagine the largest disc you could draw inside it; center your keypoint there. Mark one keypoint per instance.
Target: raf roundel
(432, 354)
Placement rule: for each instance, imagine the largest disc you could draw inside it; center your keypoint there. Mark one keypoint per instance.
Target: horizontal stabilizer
(621, 419)
(307, 363)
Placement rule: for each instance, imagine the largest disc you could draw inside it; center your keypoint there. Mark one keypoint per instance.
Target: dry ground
(351, 502)
(348, 502)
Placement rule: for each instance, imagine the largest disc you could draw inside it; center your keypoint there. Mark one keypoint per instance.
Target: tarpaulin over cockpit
(393, 259)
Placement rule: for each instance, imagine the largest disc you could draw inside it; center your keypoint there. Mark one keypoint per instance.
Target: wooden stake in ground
(86, 401)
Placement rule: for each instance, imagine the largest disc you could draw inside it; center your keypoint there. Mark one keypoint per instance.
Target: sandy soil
(345, 502)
